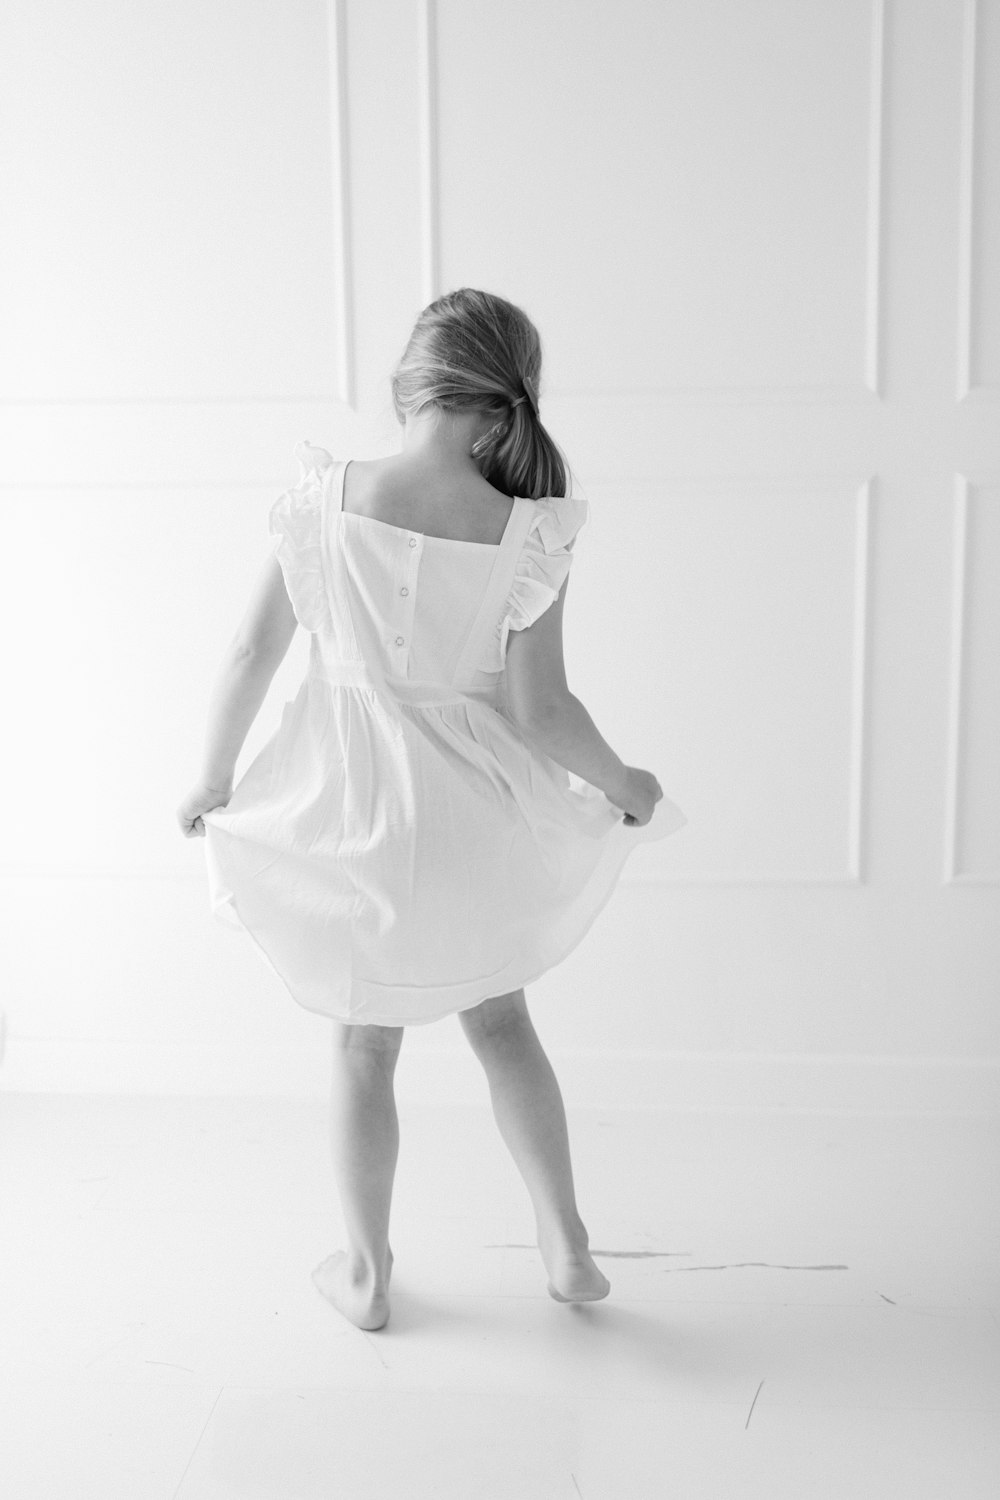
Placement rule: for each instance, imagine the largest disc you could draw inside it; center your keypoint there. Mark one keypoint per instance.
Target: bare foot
(573, 1274)
(362, 1300)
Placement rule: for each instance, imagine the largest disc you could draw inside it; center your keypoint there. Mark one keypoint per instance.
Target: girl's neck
(445, 439)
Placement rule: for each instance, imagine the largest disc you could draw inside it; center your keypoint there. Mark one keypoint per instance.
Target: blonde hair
(473, 351)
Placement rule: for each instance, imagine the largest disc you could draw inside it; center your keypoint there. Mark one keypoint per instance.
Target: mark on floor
(197, 1445)
(753, 1403)
(640, 1254)
(886, 1299)
(169, 1363)
(372, 1346)
(621, 1254)
(663, 1254)
(576, 1486)
(770, 1264)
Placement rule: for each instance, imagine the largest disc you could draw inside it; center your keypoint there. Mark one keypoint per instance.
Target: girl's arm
(256, 651)
(244, 676)
(237, 694)
(548, 714)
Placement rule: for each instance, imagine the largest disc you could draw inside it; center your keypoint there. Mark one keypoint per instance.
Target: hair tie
(528, 386)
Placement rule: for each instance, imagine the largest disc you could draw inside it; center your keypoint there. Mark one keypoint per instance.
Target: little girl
(436, 821)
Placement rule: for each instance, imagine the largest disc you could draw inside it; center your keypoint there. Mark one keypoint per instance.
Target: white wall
(761, 243)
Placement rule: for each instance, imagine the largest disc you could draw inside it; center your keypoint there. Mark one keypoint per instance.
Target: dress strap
(497, 588)
(340, 484)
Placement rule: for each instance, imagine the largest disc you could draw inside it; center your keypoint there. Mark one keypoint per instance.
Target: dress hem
(516, 977)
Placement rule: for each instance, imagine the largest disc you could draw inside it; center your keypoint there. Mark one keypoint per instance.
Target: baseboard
(604, 1079)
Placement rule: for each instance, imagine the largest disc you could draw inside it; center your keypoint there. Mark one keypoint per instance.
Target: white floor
(801, 1305)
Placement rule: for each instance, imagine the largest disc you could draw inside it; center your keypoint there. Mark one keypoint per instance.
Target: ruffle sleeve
(542, 565)
(295, 522)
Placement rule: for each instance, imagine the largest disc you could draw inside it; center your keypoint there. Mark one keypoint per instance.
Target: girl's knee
(367, 1040)
(498, 1014)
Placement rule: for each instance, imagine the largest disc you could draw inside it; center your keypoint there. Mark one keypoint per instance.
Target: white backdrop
(760, 239)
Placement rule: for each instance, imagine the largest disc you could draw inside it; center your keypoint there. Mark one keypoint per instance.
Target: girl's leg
(365, 1146)
(529, 1111)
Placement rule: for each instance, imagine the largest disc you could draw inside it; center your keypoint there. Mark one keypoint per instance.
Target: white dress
(396, 851)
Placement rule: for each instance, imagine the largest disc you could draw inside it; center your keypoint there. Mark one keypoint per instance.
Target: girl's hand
(201, 799)
(639, 797)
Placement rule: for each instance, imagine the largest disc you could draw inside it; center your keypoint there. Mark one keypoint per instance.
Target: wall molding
(616, 1078)
(342, 216)
(966, 383)
(966, 195)
(626, 879)
(324, 397)
(427, 78)
(857, 789)
(722, 395)
(870, 384)
(956, 689)
(873, 226)
(956, 655)
(857, 786)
